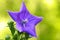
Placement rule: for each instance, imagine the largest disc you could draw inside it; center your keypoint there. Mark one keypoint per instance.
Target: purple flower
(25, 22)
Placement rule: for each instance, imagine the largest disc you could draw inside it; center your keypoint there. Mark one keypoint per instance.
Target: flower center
(24, 22)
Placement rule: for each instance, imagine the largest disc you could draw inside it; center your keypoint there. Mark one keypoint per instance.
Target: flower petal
(30, 26)
(30, 31)
(23, 7)
(13, 15)
(24, 15)
(19, 27)
(34, 20)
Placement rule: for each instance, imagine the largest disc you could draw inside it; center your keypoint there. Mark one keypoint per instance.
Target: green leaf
(11, 26)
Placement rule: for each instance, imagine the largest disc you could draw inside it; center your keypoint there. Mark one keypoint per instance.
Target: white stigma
(24, 22)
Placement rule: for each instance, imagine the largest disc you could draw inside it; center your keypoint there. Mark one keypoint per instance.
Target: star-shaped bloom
(25, 22)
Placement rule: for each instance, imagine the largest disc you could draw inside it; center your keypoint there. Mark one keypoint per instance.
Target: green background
(47, 29)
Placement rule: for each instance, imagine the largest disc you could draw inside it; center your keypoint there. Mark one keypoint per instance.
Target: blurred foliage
(48, 29)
